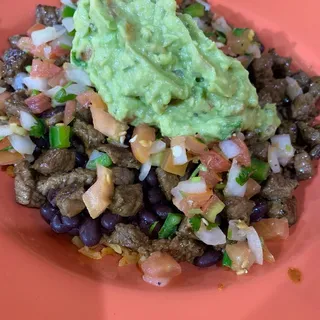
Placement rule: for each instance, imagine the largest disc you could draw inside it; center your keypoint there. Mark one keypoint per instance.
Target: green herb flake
(35, 92)
(238, 32)
(62, 96)
(244, 175)
(211, 225)
(209, 34)
(68, 12)
(221, 37)
(195, 222)
(195, 10)
(226, 261)
(78, 62)
(169, 227)
(38, 130)
(153, 226)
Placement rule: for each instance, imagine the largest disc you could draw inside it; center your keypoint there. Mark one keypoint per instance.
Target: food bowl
(43, 277)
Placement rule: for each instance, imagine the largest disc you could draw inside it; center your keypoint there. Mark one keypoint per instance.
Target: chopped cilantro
(38, 130)
(226, 261)
(35, 92)
(211, 225)
(78, 62)
(68, 12)
(221, 37)
(195, 222)
(62, 96)
(244, 175)
(153, 226)
(238, 31)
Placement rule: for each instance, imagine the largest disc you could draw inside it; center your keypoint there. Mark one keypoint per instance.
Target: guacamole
(153, 66)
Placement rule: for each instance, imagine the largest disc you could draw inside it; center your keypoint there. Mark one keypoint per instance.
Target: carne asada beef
(167, 182)
(238, 208)
(48, 15)
(122, 176)
(303, 166)
(285, 207)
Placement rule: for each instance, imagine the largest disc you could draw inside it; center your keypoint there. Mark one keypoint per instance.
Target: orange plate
(43, 277)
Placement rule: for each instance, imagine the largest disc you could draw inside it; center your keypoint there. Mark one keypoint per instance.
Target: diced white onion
(60, 29)
(68, 23)
(293, 89)
(69, 3)
(254, 49)
(40, 84)
(206, 5)
(133, 139)
(53, 91)
(219, 45)
(285, 150)
(76, 74)
(212, 237)
(45, 35)
(63, 40)
(255, 244)
(18, 81)
(144, 170)
(2, 90)
(221, 25)
(233, 188)
(188, 186)
(229, 148)
(273, 160)
(179, 155)
(27, 120)
(76, 89)
(47, 51)
(157, 146)
(235, 233)
(22, 144)
(5, 130)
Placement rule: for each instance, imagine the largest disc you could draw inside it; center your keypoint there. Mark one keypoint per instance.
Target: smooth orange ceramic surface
(43, 277)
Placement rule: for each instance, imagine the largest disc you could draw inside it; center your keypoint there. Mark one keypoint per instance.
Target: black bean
(48, 212)
(52, 112)
(259, 211)
(73, 222)
(146, 227)
(109, 221)
(74, 232)
(208, 259)
(77, 144)
(90, 232)
(57, 225)
(155, 195)
(148, 216)
(162, 210)
(51, 196)
(37, 153)
(152, 178)
(81, 160)
(128, 135)
(42, 143)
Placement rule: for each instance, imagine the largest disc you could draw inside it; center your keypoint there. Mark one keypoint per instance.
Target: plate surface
(43, 277)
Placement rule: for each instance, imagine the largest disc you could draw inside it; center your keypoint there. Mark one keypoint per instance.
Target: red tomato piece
(39, 103)
(58, 80)
(69, 111)
(243, 158)
(7, 158)
(35, 27)
(211, 178)
(44, 69)
(272, 229)
(215, 161)
(3, 97)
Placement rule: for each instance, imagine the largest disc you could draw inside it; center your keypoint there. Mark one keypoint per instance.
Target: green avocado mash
(152, 65)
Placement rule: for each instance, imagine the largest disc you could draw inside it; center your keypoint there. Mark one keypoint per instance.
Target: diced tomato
(44, 69)
(253, 188)
(35, 27)
(195, 201)
(194, 145)
(143, 137)
(160, 268)
(272, 229)
(58, 80)
(69, 111)
(3, 97)
(211, 178)
(241, 256)
(91, 97)
(39, 103)
(58, 52)
(7, 158)
(215, 161)
(4, 143)
(168, 165)
(243, 158)
(179, 2)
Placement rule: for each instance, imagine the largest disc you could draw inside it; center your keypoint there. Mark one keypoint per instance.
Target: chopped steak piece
(262, 70)
(90, 137)
(275, 89)
(281, 65)
(55, 160)
(289, 127)
(78, 176)
(25, 186)
(264, 97)
(127, 200)
(278, 187)
(315, 152)
(128, 236)
(309, 134)
(122, 176)
(15, 60)
(260, 150)
(303, 166)
(15, 104)
(48, 15)
(238, 208)
(315, 88)
(121, 157)
(180, 248)
(283, 208)
(303, 107)
(83, 113)
(13, 40)
(69, 200)
(303, 80)
(167, 182)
